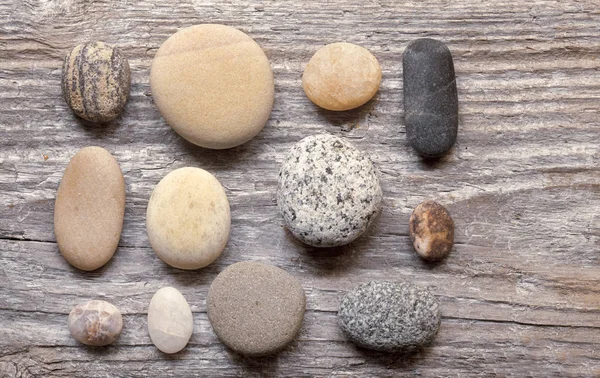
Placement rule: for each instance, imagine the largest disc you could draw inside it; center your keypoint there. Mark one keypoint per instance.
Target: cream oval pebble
(188, 218)
(170, 321)
(89, 209)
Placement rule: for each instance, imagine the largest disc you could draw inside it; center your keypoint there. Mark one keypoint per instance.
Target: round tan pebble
(431, 230)
(96, 323)
(341, 76)
(170, 321)
(255, 309)
(95, 81)
(188, 218)
(89, 209)
(213, 84)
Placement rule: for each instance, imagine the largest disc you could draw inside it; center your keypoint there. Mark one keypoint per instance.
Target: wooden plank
(521, 290)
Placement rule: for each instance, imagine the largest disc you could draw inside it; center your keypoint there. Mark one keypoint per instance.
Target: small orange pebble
(341, 76)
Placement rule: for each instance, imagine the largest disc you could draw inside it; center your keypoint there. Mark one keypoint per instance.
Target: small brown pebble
(431, 230)
(96, 79)
(89, 209)
(96, 323)
(341, 76)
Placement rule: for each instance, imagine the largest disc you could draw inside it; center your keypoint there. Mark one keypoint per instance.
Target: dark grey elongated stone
(430, 97)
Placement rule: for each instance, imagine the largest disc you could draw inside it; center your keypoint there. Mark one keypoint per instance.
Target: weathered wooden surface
(521, 290)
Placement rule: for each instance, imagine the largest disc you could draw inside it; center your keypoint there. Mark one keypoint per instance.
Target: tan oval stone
(170, 321)
(341, 76)
(89, 209)
(213, 84)
(188, 218)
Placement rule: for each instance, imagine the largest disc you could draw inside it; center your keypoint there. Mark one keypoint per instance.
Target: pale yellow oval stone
(188, 218)
(170, 321)
(89, 208)
(213, 84)
(341, 76)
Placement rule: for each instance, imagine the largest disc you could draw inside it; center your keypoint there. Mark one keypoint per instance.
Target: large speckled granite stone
(95, 81)
(390, 316)
(430, 97)
(328, 191)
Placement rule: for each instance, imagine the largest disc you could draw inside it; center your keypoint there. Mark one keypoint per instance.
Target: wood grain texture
(521, 290)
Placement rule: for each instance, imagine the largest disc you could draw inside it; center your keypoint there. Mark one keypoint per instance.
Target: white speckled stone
(328, 191)
(170, 321)
(188, 218)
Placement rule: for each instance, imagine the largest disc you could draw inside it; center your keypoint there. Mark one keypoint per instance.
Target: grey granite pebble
(430, 97)
(95, 80)
(390, 316)
(328, 191)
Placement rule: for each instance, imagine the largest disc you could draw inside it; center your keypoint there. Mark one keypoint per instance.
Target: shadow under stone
(394, 360)
(99, 130)
(264, 366)
(330, 260)
(348, 120)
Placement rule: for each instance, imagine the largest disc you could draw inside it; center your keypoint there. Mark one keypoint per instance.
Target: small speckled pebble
(328, 191)
(430, 97)
(431, 230)
(341, 76)
(390, 316)
(255, 309)
(96, 323)
(96, 81)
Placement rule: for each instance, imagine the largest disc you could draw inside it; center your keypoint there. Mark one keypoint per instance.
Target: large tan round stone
(341, 76)
(188, 218)
(89, 208)
(213, 85)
